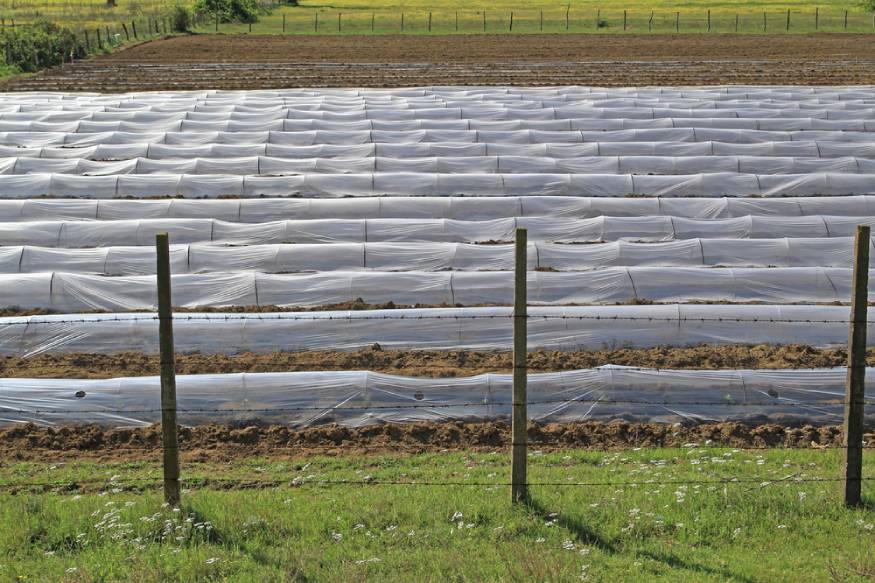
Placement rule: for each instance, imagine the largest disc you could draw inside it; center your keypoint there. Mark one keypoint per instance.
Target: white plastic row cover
(265, 165)
(70, 292)
(357, 398)
(434, 184)
(444, 119)
(555, 328)
(261, 210)
(550, 229)
(208, 258)
(150, 134)
(161, 151)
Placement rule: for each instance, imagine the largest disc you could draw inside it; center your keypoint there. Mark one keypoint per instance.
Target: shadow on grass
(588, 536)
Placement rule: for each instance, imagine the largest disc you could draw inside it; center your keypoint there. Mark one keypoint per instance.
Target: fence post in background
(709, 21)
(457, 20)
(519, 419)
(125, 28)
(677, 21)
(338, 20)
(316, 21)
(542, 19)
(855, 384)
(250, 27)
(650, 22)
(170, 439)
(788, 19)
(736, 22)
(511, 21)
(284, 23)
(217, 21)
(108, 36)
(764, 21)
(624, 20)
(484, 21)
(134, 29)
(846, 19)
(816, 17)
(99, 40)
(402, 22)
(373, 18)
(568, 17)
(429, 22)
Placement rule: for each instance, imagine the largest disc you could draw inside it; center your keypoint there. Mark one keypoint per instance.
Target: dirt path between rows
(261, 62)
(221, 442)
(425, 363)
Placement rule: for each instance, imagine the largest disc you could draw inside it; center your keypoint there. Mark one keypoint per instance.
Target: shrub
(181, 17)
(40, 45)
(230, 10)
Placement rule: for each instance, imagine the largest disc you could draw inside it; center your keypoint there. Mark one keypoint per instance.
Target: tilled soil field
(263, 62)
(425, 363)
(220, 442)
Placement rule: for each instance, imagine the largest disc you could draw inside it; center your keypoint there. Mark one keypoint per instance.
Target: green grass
(769, 526)
(688, 17)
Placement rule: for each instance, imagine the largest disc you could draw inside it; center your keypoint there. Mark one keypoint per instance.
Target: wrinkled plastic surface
(357, 398)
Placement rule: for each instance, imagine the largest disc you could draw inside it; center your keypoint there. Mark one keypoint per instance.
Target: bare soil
(261, 62)
(220, 442)
(426, 363)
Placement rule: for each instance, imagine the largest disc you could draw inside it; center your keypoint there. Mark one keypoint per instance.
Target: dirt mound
(29, 442)
(260, 62)
(426, 363)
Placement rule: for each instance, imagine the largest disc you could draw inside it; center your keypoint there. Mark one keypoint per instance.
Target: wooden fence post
(624, 20)
(484, 21)
(650, 22)
(764, 21)
(677, 21)
(125, 28)
(284, 23)
(169, 437)
(855, 385)
(519, 419)
(568, 17)
(402, 22)
(736, 22)
(373, 19)
(846, 19)
(511, 21)
(338, 20)
(217, 21)
(816, 17)
(134, 29)
(542, 19)
(429, 22)
(316, 21)
(87, 42)
(457, 20)
(709, 20)
(788, 19)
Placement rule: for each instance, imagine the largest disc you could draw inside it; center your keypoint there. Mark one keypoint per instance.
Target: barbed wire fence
(517, 440)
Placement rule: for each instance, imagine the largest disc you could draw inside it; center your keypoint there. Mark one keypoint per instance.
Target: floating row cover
(650, 229)
(207, 258)
(260, 210)
(357, 398)
(565, 328)
(205, 148)
(69, 292)
(513, 164)
(148, 133)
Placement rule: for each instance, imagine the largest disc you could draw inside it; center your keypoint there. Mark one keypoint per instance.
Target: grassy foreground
(666, 515)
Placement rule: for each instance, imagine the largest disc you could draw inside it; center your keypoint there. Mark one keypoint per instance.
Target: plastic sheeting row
(259, 210)
(264, 165)
(236, 149)
(716, 184)
(148, 133)
(71, 292)
(448, 120)
(565, 328)
(77, 234)
(207, 258)
(357, 398)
